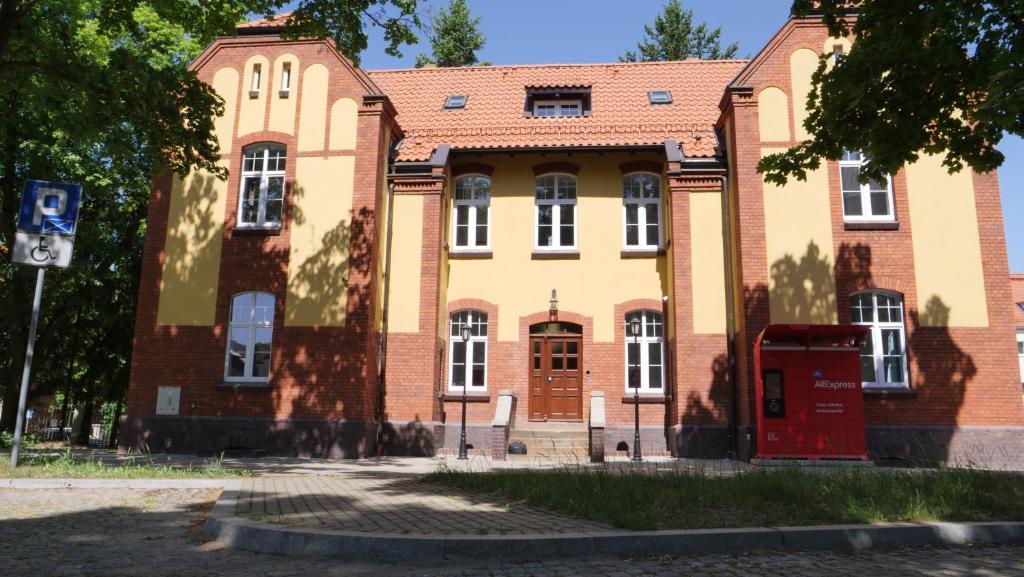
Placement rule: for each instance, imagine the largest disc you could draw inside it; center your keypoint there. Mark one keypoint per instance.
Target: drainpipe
(382, 346)
(730, 326)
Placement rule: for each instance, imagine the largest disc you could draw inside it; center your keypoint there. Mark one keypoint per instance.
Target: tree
(929, 76)
(454, 37)
(674, 37)
(99, 92)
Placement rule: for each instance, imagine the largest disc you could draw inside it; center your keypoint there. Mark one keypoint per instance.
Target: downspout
(382, 346)
(730, 316)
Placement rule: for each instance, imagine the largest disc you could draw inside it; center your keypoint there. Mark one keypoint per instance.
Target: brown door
(556, 391)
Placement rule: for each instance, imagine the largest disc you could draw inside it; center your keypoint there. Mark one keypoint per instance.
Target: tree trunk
(116, 425)
(87, 409)
(11, 373)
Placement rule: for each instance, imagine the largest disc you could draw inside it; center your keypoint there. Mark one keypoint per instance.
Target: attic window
(455, 102)
(659, 97)
(557, 102)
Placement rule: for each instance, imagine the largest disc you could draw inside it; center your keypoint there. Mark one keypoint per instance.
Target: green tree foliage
(99, 92)
(674, 37)
(924, 76)
(454, 36)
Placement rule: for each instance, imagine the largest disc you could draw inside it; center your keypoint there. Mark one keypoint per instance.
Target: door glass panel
(571, 363)
(556, 363)
(556, 348)
(572, 347)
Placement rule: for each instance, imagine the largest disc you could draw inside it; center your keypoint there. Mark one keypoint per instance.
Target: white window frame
(264, 174)
(865, 193)
(251, 325)
(875, 335)
(257, 74)
(478, 320)
(642, 216)
(1020, 353)
(646, 338)
(286, 76)
(472, 204)
(556, 215)
(558, 104)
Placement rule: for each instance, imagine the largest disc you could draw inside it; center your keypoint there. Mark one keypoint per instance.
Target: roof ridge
(438, 69)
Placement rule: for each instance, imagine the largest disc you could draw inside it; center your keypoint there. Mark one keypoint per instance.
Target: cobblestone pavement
(392, 503)
(119, 533)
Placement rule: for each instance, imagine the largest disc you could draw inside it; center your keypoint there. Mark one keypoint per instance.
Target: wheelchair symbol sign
(43, 249)
(49, 208)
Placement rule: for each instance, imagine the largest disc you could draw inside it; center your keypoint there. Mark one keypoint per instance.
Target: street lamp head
(466, 332)
(634, 327)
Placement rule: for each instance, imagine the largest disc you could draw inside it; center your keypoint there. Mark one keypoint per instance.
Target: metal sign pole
(26, 374)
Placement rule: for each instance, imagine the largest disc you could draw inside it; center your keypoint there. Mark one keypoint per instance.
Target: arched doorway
(556, 371)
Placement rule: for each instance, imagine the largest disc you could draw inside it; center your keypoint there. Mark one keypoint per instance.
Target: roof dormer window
(455, 102)
(558, 102)
(659, 97)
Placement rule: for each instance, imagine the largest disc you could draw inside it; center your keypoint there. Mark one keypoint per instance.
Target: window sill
(471, 397)
(642, 253)
(889, 392)
(871, 225)
(254, 94)
(645, 399)
(245, 386)
(257, 230)
(469, 254)
(555, 254)
(283, 93)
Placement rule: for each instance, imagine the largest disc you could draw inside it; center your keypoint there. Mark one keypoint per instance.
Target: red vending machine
(808, 392)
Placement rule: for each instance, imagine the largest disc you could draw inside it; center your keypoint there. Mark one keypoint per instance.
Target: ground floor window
(467, 360)
(251, 326)
(883, 357)
(645, 352)
(1020, 352)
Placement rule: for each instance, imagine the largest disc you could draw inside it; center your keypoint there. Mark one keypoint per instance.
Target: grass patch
(67, 465)
(761, 498)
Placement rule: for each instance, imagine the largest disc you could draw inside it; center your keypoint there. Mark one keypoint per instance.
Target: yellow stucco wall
(707, 256)
(344, 123)
(282, 110)
(313, 114)
(773, 115)
(191, 266)
(591, 285)
(320, 235)
(252, 110)
(225, 84)
(802, 64)
(798, 240)
(407, 242)
(947, 247)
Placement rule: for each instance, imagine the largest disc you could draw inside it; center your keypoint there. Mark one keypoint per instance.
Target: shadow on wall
(804, 290)
(192, 247)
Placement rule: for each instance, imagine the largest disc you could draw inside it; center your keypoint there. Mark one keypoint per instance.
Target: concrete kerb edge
(120, 484)
(247, 535)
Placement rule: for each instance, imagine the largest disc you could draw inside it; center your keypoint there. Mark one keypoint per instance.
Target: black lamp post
(634, 327)
(465, 332)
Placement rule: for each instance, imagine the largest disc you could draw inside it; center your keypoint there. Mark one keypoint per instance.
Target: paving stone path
(394, 503)
(120, 533)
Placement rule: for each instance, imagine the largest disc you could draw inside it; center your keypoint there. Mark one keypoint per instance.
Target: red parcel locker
(808, 392)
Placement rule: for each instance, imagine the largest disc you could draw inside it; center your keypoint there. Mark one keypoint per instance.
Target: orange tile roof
(621, 115)
(274, 22)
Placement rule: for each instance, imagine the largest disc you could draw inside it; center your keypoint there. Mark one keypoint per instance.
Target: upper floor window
(550, 108)
(645, 352)
(556, 211)
(286, 78)
(251, 325)
(262, 190)
(641, 197)
(472, 211)
(870, 201)
(254, 88)
(883, 358)
(467, 360)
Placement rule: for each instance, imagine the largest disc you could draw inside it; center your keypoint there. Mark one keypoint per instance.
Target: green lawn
(761, 498)
(67, 466)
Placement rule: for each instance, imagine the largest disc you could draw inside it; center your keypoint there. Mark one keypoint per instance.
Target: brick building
(312, 304)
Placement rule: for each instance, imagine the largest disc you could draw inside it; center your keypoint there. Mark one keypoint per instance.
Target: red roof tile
(621, 115)
(274, 22)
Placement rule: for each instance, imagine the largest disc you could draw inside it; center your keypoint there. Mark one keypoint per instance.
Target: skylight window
(455, 102)
(659, 97)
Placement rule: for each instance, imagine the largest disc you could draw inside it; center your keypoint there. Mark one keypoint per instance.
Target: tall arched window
(641, 218)
(472, 211)
(645, 353)
(261, 198)
(467, 360)
(883, 357)
(556, 211)
(251, 326)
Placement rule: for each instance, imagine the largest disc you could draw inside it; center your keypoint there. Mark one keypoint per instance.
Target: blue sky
(567, 31)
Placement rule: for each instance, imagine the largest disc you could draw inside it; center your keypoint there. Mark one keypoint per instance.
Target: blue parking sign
(49, 208)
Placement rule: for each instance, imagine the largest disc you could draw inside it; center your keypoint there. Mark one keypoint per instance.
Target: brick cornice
(423, 185)
(696, 182)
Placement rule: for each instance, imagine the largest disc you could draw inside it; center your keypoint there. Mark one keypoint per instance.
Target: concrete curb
(233, 484)
(240, 533)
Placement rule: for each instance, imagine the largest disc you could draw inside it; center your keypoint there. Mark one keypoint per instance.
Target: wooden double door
(556, 383)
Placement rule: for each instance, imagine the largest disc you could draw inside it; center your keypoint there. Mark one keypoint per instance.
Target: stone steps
(572, 443)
